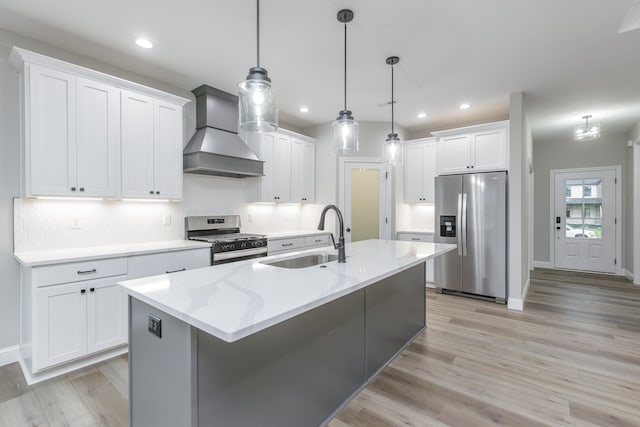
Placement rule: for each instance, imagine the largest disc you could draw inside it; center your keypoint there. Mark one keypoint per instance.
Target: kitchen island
(250, 343)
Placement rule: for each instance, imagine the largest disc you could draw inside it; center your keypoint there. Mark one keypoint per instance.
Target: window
(587, 191)
(568, 192)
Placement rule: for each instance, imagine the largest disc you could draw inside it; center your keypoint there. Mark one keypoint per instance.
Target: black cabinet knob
(92, 289)
(348, 230)
(157, 192)
(151, 192)
(73, 188)
(81, 188)
(82, 291)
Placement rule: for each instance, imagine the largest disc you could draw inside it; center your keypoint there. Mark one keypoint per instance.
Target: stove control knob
(258, 243)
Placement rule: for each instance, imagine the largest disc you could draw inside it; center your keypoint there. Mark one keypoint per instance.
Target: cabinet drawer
(311, 241)
(78, 271)
(415, 237)
(168, 262)
(283, 245)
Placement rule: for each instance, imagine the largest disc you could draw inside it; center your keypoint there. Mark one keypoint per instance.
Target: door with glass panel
(585, 220)
(364, 201)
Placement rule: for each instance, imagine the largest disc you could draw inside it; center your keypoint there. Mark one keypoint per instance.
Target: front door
(364, 201)
(585, 220)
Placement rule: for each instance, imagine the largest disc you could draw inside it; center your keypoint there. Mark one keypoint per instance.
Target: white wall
(9, 188)
(609, 150)
(632, 224)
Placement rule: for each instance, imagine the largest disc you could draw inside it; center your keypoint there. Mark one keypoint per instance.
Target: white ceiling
(567, 56)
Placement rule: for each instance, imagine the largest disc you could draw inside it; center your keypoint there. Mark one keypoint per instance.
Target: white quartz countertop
(36, 258)
(294, 233)
(232, 301)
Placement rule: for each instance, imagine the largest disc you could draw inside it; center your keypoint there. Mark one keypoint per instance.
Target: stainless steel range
(229, 244)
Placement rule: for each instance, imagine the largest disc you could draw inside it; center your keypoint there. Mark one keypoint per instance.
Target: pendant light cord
(258, 32)
(345, 66)
(392, 99)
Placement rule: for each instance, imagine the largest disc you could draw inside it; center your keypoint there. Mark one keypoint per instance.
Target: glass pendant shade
(393, 150)
(345, 133)
(258, 109)
(586, 131)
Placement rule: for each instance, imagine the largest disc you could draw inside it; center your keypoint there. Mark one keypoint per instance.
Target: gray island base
(297, 373)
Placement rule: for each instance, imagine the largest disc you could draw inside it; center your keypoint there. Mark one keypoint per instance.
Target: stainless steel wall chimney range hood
(216, 148)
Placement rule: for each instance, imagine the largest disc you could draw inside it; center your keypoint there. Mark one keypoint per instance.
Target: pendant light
(393, 146)
(345, 128)
(257, 108)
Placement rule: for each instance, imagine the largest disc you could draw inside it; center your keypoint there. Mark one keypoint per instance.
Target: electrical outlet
(166, 219)
(155, 325)
(75, 222)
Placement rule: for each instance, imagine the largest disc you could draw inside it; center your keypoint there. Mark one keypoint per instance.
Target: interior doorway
(364, 200)
(585, 226)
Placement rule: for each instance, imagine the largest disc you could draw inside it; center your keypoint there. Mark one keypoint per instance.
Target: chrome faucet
(340, 245)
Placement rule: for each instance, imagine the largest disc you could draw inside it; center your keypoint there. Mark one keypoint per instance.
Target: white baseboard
(9, 354)
(628, 274)
(525, 291)
(543, 264)
(515, 304)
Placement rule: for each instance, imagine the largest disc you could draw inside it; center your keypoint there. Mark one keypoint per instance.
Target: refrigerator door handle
(459, 227)
(463, 225)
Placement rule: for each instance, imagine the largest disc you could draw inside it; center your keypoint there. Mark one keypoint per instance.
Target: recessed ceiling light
(422, 115)
(304, 109)
(464, 106)
(144, 43)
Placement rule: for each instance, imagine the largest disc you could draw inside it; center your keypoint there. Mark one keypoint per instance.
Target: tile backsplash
(61, 224)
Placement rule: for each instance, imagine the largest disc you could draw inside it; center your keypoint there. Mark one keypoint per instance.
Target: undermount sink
(303, 261)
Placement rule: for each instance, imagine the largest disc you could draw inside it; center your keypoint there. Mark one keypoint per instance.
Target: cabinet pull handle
(81, 188)
(81, 272)
(73, 188)
(157, 192)
(151, 192)
(83, 291)
(287, 244)
(318, 240)
(175, 271)
(92, 289)
(415, 238)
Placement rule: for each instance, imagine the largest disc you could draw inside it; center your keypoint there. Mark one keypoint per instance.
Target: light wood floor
(571, 358)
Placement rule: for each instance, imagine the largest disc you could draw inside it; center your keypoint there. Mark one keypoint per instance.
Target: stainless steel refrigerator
(471, 211)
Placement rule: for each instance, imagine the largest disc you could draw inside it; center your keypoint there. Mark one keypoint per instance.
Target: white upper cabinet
(420, 171)
(478, 148)
(151, 148)
(72, 136)
(302, 171)
(88, 134)
(289, 167)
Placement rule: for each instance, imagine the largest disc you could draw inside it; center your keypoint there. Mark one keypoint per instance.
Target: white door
(106, 314)
(61, 324)
(585, 220)
(52, 133)
(137, 146)
(168, 151)
(98, 139)
(364, 205)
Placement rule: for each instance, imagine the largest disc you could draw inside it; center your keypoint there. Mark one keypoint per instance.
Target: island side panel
(296, 373)
(395, 313)
(161, 370)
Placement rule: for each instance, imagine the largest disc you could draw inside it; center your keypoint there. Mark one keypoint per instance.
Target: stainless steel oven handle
(221, 256)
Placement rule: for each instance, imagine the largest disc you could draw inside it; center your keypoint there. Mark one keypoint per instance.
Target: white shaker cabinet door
(168, 151)
(282, 168)
(137, 146)
(98, 146)
(413, 173)
(302, 171)
(50, 132)
(454, 154)
(267, 189)
(489, 150)
(107, 314)
(429, 172)
(61, 328)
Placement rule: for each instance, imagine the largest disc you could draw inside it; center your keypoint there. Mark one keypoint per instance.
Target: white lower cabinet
(75, 313)
(420, 237)
(77, 319)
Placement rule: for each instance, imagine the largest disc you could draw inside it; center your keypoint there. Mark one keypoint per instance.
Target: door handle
(459, 227)
(464, 224)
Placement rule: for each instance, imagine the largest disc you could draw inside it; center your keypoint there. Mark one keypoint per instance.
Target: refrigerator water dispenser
(447, 226)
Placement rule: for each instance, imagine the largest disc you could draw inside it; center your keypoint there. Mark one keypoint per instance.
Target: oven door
(232, 256)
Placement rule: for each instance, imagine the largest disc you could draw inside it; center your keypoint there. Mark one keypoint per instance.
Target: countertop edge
(124, 251)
